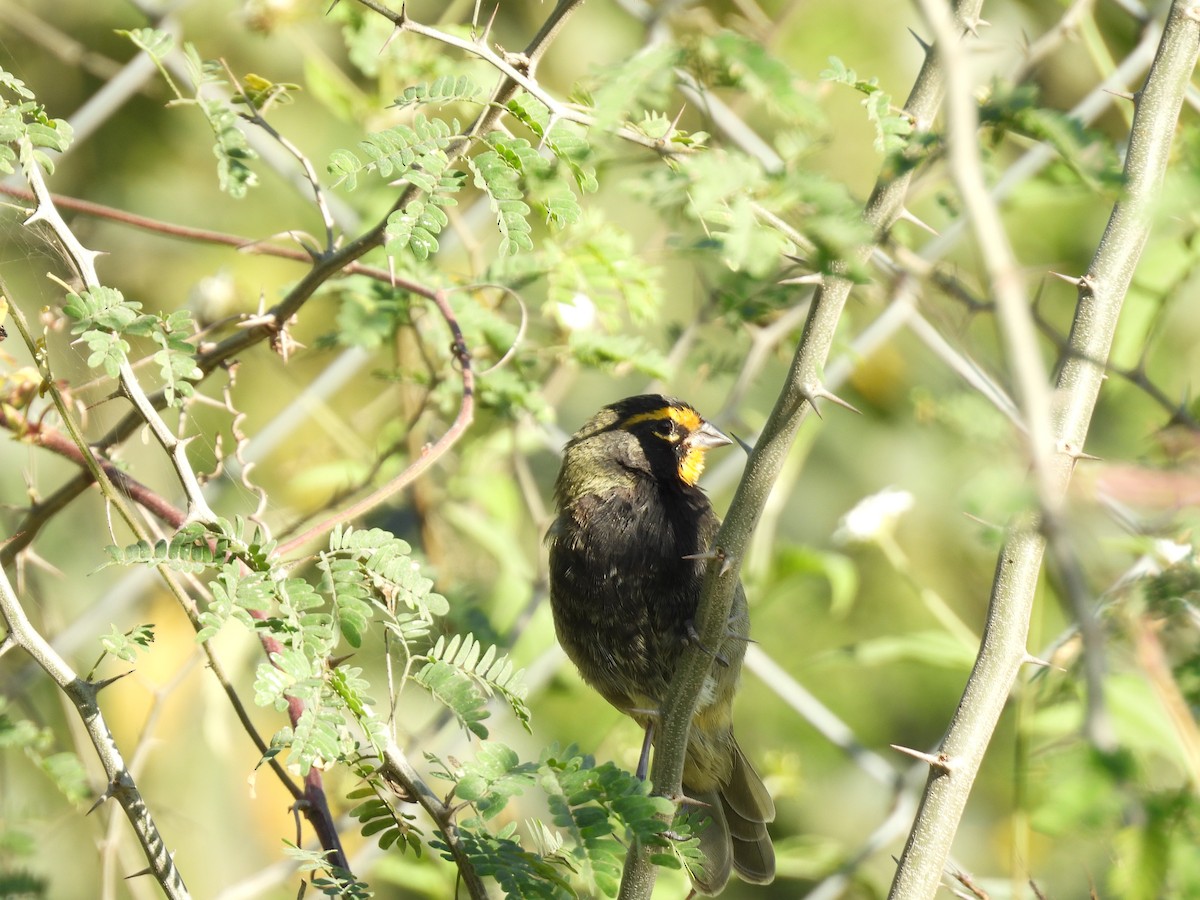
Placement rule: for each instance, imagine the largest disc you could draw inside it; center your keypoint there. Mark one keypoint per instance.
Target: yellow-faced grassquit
(626, 569)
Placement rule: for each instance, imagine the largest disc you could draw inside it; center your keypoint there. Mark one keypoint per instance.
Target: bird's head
(649, 435)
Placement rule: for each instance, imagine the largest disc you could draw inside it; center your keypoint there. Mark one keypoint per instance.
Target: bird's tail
(736, 837)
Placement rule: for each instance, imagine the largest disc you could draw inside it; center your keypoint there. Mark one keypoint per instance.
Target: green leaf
(125, 645)
(101, 308)
(492, 778)
(108, 351)
(520, 873)
(499, 179)
(377, 817)
(458, 693)
(931, 648)
(232, 149)
(188, 550)
(617, 351)
(25, 128)
(892, 126)
(67, 772)
(491, 670)
(596, 805)
(392, 153)
(1088, 154)
(837, 569)
(727, 59)
(446, 89)
(153, 41)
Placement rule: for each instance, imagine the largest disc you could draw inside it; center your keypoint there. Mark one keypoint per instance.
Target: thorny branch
(82, 695)
(326, 265)
(1101, 294)
(802, 388)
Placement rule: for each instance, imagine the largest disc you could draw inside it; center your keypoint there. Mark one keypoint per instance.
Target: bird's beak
(706, 437)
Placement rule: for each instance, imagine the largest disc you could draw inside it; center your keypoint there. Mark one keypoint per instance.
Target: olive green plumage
(624, 592)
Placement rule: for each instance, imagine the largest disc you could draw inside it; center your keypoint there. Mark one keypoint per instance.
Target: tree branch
(802, 387)
(1101, 293)
(82, 695)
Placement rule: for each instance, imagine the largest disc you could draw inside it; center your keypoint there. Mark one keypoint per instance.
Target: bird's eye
(666, 429)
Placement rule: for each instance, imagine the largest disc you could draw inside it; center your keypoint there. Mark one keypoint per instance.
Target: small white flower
(1172, 553)
(873, 517)
(1150, 565)
(577, 315)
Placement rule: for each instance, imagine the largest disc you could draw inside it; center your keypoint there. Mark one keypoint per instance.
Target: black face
(656, 436)
(663, 441)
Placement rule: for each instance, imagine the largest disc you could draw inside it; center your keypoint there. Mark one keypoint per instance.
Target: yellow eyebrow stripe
(686, 418)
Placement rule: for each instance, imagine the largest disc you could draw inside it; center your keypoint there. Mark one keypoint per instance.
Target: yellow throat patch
(692, 464)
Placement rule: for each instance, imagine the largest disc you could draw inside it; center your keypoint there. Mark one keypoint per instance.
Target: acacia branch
(397, 770)
(430, 455)
(1101, 294)
(328, 265)
(801, 389)
(114, 490)
(84, 261)
(82, 695)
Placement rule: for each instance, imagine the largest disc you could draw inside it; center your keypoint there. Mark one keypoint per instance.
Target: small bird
(626, 570)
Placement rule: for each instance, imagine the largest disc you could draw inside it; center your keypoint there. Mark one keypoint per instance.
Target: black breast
(622, 589)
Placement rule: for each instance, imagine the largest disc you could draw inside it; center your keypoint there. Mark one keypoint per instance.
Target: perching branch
(802, 388)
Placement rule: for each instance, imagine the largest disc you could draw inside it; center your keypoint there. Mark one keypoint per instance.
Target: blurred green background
(881, 631)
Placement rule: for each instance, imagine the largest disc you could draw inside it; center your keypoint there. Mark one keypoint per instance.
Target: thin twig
(257, 118)
(396, 768)
(84, 261)
(466, 414)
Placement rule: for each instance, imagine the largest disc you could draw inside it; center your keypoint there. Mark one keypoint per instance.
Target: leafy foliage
(232, 148)
(188, 550)
(26, 131)
(103, 317)
(463, 674)
(892, 128)
(417, 226)
(22, 884)
(378, 818)
(446, 89)
(126, 644)
(366, 574)
(329, 880)
(153, 41)
(63, 769)
(566, 141)
(391, 154)
(594, 810)
(590, 803)
(1085, 153)
(387, 561)
(519, 872)
(498, 175)
(727, 59)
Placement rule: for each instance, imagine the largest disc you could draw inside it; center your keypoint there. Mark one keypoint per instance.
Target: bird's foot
(692, 636)
(643, 768)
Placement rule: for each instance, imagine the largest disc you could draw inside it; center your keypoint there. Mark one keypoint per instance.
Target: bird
(627, 555)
